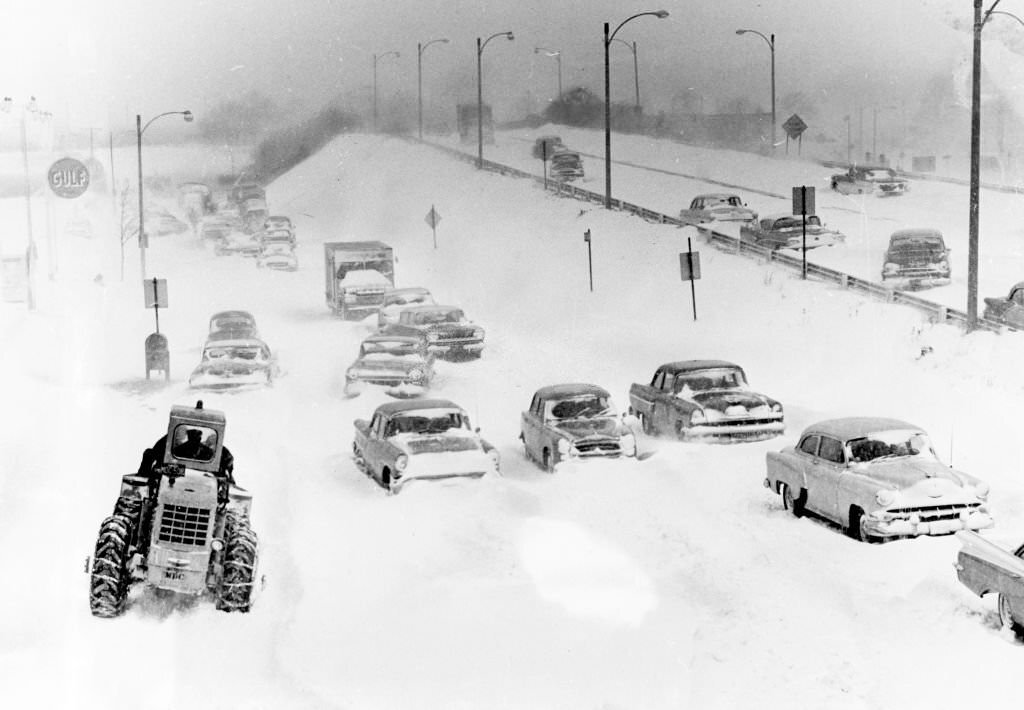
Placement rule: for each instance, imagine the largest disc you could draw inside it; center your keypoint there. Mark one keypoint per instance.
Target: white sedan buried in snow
(417, 440)
(234, 363)
(877, 478)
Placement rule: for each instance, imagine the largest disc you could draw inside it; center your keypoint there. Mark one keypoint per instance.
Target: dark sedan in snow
(916, 258)
(787, 231)
(1008, 310)
(398, 363)
(717, 207)
(573, 422)
(878, 479)
(449, 333)
(986, 568)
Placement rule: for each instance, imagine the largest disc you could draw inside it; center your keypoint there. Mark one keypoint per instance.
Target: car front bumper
(876, 524)
(736, 431)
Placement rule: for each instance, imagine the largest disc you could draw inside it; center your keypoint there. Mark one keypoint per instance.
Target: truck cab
(357, 275)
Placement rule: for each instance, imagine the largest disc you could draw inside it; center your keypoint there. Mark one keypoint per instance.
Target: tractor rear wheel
(108, 585)
(240, 547)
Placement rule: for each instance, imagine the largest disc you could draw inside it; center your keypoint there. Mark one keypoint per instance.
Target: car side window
(810, 444)
(537, 406)
(1018, 297)
(659, 378)
(831, 450)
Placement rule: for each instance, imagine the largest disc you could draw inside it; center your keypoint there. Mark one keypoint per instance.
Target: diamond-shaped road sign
(433, 217)
(794, 126)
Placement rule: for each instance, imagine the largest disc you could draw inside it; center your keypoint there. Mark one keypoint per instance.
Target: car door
(1014, 314)
(662, 410)
(831, 473)
(531, 425)
(374, 451)
(806, 456)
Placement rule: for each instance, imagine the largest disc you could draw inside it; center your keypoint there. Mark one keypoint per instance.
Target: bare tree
(128, 222)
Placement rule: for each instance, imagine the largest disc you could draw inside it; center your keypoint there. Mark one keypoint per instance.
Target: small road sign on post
(157, 352)
(432, 218)
(803, 204)
(155, 292)
(794, 128)
(689, 270)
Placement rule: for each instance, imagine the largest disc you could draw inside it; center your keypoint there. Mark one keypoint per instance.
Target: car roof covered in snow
(695, 365)
(854, 427)
(412, 405)
(916, 233)
(570, 390)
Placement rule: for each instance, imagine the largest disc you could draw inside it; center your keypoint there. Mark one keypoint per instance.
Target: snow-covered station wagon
(877, 478)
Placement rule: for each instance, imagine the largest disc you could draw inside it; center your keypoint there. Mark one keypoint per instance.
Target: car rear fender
(784, 467)
(986, 568)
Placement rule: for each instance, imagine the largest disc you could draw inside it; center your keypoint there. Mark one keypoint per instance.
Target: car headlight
(776, 407)
(564, 446)
(416, 374)
(401, 462)
(478, 333)
(627, 442)
(944, 266)
(981, 490)
(698, 417)
(890, 268)
(885, 497)
(350, 375)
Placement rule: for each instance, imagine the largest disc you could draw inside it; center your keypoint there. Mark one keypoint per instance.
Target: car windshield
(388, 348)
(890, 444)
(235, 353)
(703, 380)
(582, 406)
(429, 317)
(440, 445)
(432, 423)
(728, 200)
(407, 299)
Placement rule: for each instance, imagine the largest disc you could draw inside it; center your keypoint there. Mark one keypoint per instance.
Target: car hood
(905, 473)
(588, 428)
(731, 402)
(397, 364)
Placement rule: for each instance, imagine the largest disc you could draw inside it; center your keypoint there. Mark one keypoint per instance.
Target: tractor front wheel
(240, 548)
(108, 586)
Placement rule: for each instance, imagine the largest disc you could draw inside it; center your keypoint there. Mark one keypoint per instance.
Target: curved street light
(660, 14)
(973, 221)
(377, 58)
(636, 71)
(771, 46)
(480, 95)
(139, 130)
(420, 49)
(557, 54)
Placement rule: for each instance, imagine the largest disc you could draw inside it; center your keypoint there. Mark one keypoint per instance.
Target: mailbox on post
(158, 356)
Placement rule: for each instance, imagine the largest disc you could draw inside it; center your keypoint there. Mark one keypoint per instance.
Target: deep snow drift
(677, 581)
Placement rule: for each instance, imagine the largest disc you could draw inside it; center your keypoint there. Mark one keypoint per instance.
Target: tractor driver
(192, 448)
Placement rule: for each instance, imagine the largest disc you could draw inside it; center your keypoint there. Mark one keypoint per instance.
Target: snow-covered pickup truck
(984, 568)
(697, 399)
(422, 439)
(573, 422)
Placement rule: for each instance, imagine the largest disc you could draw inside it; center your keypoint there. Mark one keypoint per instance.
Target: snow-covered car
(233, 320)
(717, 207)
(573, 422)
(400, 364)
(277, 235)
(862, 179)
(160, 223)
(237, 243)
(706, 400)
(421, 440)
(277, 255)
(234, 363)
(786, 231)
(214, 228)
(916, 258)
(878, 479)
(545, 146)
(448, 331)
(275, 221)
(566, 165)
(986, 568)
(395, 299)
(1008, 310)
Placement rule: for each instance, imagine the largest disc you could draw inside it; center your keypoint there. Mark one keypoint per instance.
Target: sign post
(689, 270)
(590, 259)
(155, 291)
(432, 218)
(157, 352)
(803, 204)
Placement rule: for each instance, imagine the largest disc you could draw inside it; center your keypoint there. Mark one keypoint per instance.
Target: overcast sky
(102, 61)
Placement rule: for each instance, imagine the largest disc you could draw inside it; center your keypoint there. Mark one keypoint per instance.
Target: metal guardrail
(934, 311)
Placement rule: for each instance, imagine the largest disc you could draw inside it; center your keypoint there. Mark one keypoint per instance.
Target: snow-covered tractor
(180, 524)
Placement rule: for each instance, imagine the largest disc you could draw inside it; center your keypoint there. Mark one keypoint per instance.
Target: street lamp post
(377, 58)
(557, 54)
(660, 14)
(636, 71)
(480, 95)
(771, 46)
(972, 228)
(139, 130)
(420, 48)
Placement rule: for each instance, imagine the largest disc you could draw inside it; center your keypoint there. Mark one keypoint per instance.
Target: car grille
(598, 448)
(184, 525)
(932, 513)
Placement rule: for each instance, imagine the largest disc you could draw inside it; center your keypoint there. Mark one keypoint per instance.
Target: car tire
(855, 530)
(679, 429)
(794, 504)
(1006, 619)
(385, 479)
(547, 461)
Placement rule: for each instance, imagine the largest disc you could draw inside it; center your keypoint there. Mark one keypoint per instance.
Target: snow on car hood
(590, 427)
(738, 403)
(907, 472)
(449, 454)
(364, 277)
